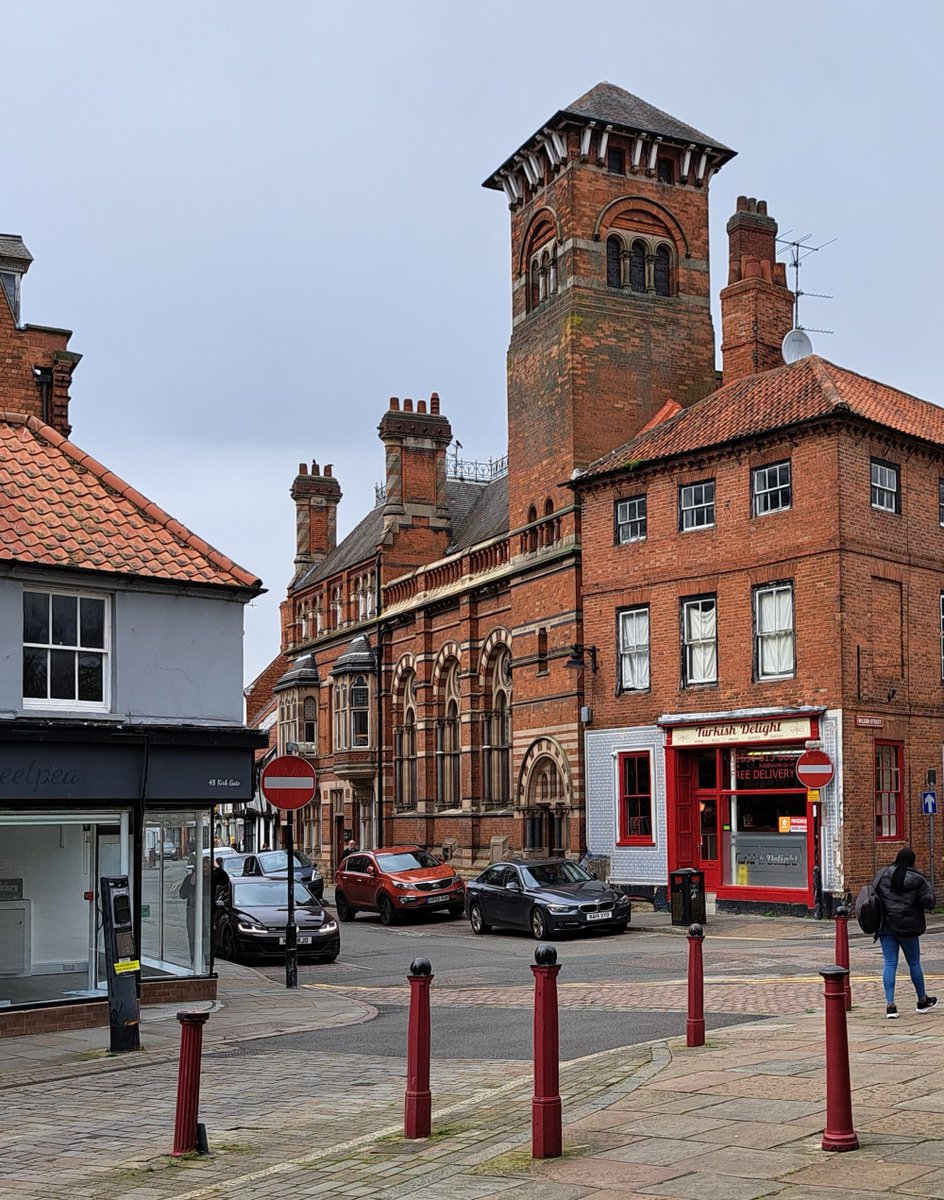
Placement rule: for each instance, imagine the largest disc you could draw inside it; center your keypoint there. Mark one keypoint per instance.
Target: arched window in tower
(662, 272)
(637, 266)
(614, 262)
(405, 744)
(535, 284)
(531, 535)
(545, 285)
(448, 750)
(552, 273)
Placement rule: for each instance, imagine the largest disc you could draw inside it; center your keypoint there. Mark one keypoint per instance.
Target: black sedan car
(250, 917)
(272, 864)
(549, 896)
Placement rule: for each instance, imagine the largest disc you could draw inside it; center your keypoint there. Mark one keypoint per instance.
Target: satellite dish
(796, 345)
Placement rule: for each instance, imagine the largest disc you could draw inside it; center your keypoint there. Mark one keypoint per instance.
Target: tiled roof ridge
(115, 483)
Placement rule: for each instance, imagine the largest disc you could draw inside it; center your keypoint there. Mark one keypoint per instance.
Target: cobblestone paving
(771, 996)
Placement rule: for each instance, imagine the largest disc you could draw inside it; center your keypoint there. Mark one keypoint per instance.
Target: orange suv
(396, 880)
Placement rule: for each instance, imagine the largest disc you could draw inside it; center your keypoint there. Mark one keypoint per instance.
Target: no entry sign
(814, 769)
(288, 782)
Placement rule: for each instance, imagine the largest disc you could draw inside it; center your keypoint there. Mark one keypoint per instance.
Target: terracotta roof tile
(792, 395)
(60, 507)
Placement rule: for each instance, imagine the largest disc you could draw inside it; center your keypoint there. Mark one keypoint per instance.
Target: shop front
(736, 809)
(76, 805)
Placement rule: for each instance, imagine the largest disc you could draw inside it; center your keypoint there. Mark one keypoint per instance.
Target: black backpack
(868, 909)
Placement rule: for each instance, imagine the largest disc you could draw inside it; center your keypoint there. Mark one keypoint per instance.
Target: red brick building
(442, 694)
(761, 570)
(667, 590)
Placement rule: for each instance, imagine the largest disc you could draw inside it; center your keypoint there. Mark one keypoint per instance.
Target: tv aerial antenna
(797, 344)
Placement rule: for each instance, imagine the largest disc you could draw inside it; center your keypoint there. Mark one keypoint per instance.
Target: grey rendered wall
(628, 864)
(174, 657)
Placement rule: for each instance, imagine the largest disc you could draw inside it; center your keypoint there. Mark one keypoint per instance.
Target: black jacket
(904, 911)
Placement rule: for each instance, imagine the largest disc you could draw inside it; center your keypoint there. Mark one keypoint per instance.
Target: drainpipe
(378, 652)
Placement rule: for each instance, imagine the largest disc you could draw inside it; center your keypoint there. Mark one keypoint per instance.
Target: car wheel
(386, 910)
(228, 944)
(454, 910)
(620, 928)
(477, 921)
(540, 925)
(345, 912)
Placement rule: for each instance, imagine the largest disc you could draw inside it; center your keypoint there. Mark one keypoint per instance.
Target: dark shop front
(81, 803)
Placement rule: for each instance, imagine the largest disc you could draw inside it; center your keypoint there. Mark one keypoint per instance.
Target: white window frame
(773, 646)
(885, 486)
(767, 487)
(695, 506)
(629, 519)
(634, 649)
(699, 652)
(51, 704)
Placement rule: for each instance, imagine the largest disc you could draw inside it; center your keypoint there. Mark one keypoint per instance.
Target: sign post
(288, 783)
(814, 769)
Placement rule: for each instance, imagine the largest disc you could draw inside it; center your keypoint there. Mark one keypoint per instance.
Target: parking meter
(121, 964)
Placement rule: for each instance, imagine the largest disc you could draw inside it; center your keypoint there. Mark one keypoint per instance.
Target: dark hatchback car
(547, 897)
(250, 917)
(271, 864)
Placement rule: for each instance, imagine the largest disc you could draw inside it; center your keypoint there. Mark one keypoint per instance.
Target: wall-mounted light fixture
(578, 652)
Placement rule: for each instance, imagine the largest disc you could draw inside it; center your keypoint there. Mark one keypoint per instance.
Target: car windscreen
(275, 860)
(545, 874)
(408, 860)
(247, 893)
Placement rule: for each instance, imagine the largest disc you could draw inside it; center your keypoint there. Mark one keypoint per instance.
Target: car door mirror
(512, 886)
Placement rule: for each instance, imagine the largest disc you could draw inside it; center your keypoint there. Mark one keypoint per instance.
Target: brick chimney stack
(316, 497)
(35, 363)
(757, 305)
(415, 442)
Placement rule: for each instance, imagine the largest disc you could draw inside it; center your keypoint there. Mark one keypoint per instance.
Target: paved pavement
(737, 1119)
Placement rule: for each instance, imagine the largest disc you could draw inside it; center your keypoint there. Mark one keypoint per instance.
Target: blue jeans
(912, 952)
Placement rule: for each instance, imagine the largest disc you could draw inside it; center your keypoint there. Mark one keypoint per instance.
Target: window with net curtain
(700, 640)
(773, 621)
(634, 649)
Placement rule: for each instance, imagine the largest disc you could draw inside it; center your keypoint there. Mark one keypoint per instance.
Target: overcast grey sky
(262, 220)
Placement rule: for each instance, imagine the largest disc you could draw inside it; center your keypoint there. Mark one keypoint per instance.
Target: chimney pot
(302, 469)
(314, 468)
(407, 405)
(394, 404)
(762, 207)
(434, 403)
(421, 406)
(327, 471)
(742, 204)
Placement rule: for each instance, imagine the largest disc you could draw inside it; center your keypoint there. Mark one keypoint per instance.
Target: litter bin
(687, 895)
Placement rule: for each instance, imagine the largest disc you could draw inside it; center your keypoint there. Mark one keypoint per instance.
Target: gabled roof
(59, 507)
(801, 392)
(477, 512)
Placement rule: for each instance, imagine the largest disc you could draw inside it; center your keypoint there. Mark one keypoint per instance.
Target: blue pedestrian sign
(929, 803)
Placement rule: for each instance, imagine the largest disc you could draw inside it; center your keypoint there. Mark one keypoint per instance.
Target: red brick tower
(316, 499)
(611, 316)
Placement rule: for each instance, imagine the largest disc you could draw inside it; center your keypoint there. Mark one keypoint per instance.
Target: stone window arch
(496, 731)
(405, 742)
(448, 738)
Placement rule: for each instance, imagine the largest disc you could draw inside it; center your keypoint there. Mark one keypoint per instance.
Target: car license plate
(598, 916)
(435, 899)
(302, 941)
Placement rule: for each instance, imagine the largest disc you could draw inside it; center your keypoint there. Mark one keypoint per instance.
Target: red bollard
(842, 949)
(695, 1026)
(546, 1137)
(188, 1081)
(839, 1134)
(418, 1100)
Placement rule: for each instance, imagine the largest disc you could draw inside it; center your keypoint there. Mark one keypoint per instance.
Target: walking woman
(906, 896)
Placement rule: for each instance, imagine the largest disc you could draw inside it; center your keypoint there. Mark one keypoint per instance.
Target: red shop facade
(736, 809)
